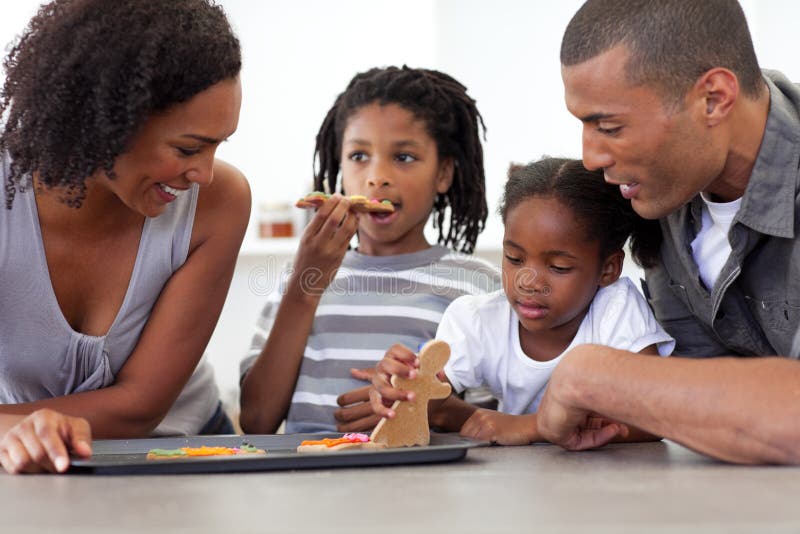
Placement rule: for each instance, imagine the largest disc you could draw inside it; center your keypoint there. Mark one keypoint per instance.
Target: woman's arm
(180, 324)
(268, 386)
(742, 410)
(42, 441)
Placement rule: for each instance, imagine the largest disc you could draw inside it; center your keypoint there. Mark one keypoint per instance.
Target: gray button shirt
(754, 308)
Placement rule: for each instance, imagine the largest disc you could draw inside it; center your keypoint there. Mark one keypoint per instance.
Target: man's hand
(574, 428)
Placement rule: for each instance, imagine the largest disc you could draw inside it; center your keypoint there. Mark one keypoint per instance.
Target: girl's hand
(42, 440)
(399, 361)
(501, 428)
(324, 244)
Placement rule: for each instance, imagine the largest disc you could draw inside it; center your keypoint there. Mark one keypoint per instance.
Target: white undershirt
(711, 247)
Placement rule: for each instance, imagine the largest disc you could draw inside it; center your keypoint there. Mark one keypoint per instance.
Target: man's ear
(716, 91)
(444, 179)
(612, 268)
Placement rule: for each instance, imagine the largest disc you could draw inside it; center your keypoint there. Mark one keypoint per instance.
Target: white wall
(298, 55)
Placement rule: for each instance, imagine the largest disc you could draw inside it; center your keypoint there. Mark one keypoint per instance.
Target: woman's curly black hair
(451, 119)
(86, 74)
(606, 216)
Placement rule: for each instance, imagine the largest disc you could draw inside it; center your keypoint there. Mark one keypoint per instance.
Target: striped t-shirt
(373, 303)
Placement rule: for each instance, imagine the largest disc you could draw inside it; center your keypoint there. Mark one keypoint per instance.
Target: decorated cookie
(192, 452)
(362, 204)
(348, 441)
(357, 203)
(314, 200)
(409, 426)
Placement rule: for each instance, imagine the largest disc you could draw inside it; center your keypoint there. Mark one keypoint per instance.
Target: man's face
(661, 157)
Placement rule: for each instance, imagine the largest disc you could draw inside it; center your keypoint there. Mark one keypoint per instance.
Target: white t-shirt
(483, 333)
(711, 247)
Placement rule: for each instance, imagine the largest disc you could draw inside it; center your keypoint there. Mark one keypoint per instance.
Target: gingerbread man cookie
(409, 426)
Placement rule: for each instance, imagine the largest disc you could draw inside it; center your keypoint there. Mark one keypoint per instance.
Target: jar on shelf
(275, 219)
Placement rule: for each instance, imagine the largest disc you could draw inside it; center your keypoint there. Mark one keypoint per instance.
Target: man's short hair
(671, 42)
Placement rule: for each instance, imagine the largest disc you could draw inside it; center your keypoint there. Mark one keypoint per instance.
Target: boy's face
(388, 154)
(661, 157)
(551, 272)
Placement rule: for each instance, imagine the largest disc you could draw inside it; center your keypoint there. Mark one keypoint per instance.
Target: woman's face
(173, 150)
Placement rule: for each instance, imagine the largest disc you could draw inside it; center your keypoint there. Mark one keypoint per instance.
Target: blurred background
(300, 54)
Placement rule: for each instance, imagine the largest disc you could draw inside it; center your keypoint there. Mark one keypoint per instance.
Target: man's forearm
(742, 410)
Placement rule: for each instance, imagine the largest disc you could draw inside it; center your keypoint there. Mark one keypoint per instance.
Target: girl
(119, 230)
(564, 233)
(406, 135)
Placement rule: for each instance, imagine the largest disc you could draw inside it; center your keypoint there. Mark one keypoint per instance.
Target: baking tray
(128, 457)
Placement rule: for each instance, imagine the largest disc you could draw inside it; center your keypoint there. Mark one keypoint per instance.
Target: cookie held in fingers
(410, 425)
(312, 200)
(358, 203)
(362, 204)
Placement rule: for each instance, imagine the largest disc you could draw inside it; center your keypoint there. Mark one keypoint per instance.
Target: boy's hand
(324, 244)
(400, 361)
(501, 428)
(42, 440)
(355, 414)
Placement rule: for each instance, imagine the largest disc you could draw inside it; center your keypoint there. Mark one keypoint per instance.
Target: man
(677, 112)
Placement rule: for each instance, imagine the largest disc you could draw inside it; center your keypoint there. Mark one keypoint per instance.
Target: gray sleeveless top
(41, 356)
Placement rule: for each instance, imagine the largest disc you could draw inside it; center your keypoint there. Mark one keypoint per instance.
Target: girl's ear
(445, 177)
(612, 268)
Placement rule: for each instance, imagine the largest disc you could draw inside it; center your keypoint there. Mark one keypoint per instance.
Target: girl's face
(387, 154)
(551, 272)
(173, 150)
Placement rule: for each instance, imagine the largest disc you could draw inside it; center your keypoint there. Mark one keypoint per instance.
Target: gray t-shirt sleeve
(262, 329)
(263, 325)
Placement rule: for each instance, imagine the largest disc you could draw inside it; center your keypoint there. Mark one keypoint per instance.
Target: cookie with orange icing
(363, 204)
(358, 203)
(194, 452)
(346, 442)
(314, 200)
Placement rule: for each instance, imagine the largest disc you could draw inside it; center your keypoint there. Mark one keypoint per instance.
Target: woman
(119, 229)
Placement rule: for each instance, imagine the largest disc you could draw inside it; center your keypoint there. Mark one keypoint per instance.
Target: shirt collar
(768, 205)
